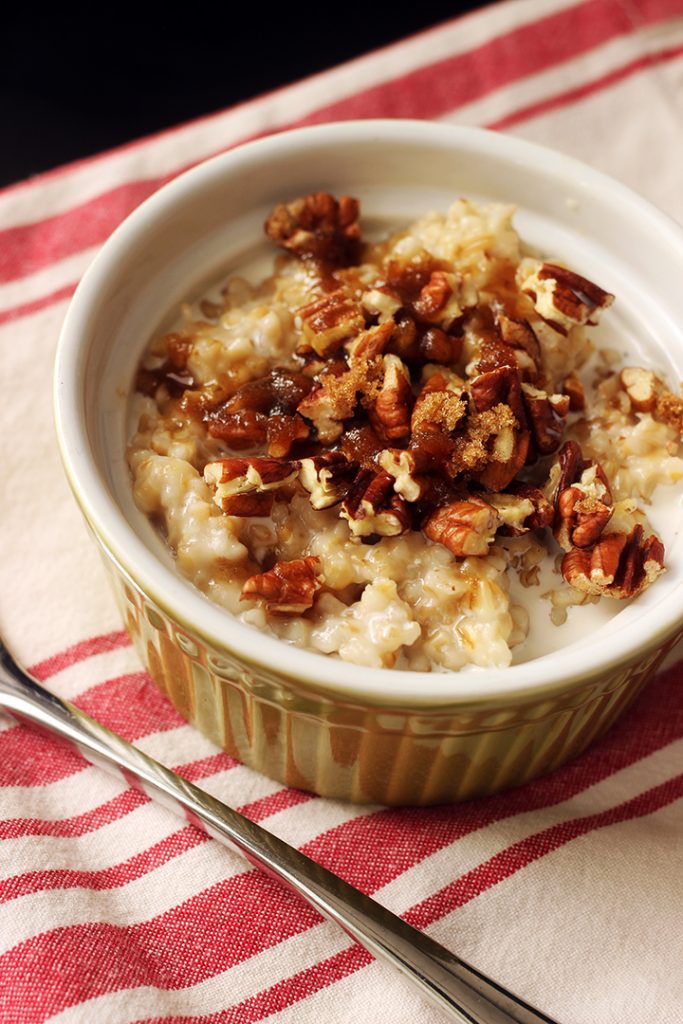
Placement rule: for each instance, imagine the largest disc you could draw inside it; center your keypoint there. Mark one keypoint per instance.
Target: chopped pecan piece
(328, 405)
(289, 588)
(438, 347)
(283, 432)
(428, 453)
(499, 386)
(519, 334)
(330, 320)
(372, 507)
(240, 430)
(318, 226)
(371, 343)
(465, 527)
(547, 416)
(327, 478)
(229, 477)
(641, 387)
(574, 390)
(390, 414)
(620, 565)
(564, 299)
(255, 503)
(583, 504)
(382, 302)
(444, 299)
(522, 508)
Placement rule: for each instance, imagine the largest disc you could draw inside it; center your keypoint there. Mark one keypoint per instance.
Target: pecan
(361, 444)
(283, 432)
(641, 387)
(573, 389)
(522, 508)
(328, 405)
(256, 503)
(229, 477)
(242, 420)
(372, 507)
(428, 453)
(519, 334)
(289, 588)
(318, 226)
(327, 478)
(438, 347)
(583, 501)
(382, 302)
(564, 299)
(620, 565)
(390, 414)
(239, 430)
(547, 417)
(443, 299)
(499, 386)
(330, 320)
(465, 527)
(371, 343)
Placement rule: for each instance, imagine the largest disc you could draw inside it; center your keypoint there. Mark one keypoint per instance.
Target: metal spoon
(462, 991)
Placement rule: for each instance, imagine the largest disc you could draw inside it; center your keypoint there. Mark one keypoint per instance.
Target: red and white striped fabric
(567, 890)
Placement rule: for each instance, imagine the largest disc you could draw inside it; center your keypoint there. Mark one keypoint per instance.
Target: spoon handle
(466, 994)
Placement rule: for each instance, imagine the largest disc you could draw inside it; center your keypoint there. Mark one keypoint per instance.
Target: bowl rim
(539, 678)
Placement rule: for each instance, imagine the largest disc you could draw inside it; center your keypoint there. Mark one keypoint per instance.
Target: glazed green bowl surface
(312, 721)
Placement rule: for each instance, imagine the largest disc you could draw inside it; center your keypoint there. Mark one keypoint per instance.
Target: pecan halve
(372, 506)
(620, 565)
(289, 588)
(564, 299)
(583, 500)
(640, 386)
(390, 414)
(465, 526)
(575, 392)
(328, 321)
(318, 226)
(228, 477)
(327, 478)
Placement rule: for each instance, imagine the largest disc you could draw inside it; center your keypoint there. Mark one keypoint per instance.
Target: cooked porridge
(393, 452)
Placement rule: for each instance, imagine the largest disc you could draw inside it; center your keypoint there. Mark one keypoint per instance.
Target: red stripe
(283, 799)
(526, 851)
(514, 117)
(425, 92)
(564, 99)
(401, 838)
(205, 766)
(79, 652)
(106, 878)
(285, 993)
(233, 921)
(130, 705)
(79, 825)
(35, 305)
(29, 758)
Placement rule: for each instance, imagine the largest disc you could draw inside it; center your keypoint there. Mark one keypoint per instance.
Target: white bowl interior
(210, 222)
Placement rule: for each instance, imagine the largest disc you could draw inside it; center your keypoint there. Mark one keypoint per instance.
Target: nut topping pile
(416, 399)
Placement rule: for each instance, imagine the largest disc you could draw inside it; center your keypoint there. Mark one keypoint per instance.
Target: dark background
(71, 86)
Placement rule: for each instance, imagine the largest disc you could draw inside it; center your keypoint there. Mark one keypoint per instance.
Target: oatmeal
(392, 452)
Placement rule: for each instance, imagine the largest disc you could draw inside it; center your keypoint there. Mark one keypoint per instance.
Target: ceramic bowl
(308, 720)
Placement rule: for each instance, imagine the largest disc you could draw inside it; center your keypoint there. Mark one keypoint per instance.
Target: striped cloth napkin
(568, 890)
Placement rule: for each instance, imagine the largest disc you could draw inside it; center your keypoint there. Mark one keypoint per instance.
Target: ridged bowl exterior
(360, 752)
